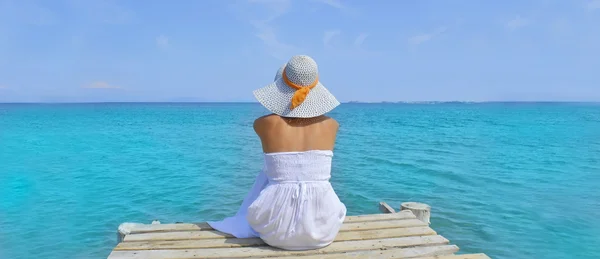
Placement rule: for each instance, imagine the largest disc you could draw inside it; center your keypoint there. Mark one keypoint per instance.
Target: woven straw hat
(297, 91)
(279, 72)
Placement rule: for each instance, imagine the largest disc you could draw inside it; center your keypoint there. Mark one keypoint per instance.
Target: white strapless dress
(291, 205)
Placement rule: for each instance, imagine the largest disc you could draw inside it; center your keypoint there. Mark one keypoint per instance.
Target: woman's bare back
(280, 134)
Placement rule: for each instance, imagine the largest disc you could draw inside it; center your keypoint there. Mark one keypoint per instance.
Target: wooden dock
(391, 235)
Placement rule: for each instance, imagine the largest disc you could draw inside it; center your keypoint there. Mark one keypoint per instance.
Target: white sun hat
(279, 72)
(297, 91)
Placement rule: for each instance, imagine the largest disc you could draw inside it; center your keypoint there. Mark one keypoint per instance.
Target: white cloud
(424, 37)
(101, 85)
(516, 23)
(276, 8)
(340, 6)
(162, 41)
(360, 40)
(418, 39)
(347, 49)
(329, 35)
(593, 5)
(333, 3)
(275, 47)
(109, 12)
(266, 32)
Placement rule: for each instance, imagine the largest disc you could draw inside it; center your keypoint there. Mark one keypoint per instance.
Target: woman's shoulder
(328, 121)
(265, 121)
(274, 119)
(271, 118)
(332, 121)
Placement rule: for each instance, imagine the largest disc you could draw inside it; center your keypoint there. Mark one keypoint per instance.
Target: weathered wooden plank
(189, 244)
(148, 228)
(177, 235)
(410, 252)
(382, 224)
(465, 256)
(380, 217)
(336, 247)
(209, 233)
(385, 208)
(345, 227)
(201, 235)
(188, 241)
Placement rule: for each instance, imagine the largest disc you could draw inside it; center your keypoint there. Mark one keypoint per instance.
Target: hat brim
(277, 98)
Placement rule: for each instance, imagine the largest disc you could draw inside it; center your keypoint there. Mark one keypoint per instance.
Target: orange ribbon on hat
(301, 91)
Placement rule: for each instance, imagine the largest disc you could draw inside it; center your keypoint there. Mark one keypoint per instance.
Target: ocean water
(513, 180)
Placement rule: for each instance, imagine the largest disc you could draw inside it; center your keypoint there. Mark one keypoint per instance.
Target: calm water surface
(510, 180)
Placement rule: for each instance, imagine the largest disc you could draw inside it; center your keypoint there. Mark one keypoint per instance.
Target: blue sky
(187, 50)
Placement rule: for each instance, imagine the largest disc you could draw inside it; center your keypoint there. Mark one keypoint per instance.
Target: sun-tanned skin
(280, 134)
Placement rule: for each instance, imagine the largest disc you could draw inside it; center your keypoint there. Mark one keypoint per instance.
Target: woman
(292, 204)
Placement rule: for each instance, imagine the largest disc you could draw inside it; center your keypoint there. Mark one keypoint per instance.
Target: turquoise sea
(513, 180)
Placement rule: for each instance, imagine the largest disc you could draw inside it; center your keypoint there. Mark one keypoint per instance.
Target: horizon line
(347, 102)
